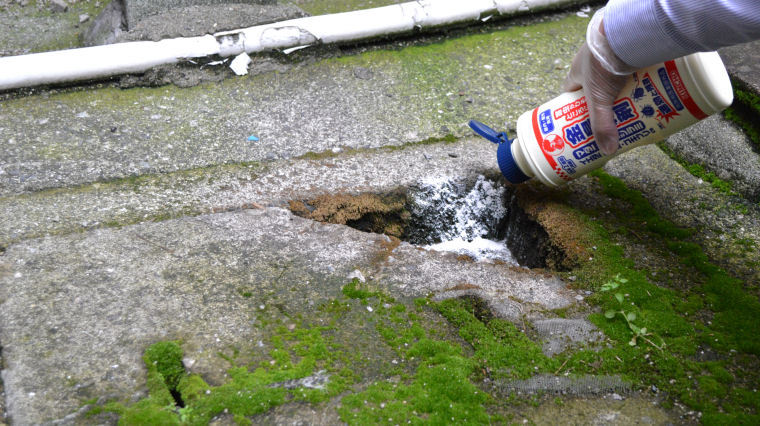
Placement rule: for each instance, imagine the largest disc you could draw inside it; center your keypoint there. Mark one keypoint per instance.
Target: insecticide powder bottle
(555, 143)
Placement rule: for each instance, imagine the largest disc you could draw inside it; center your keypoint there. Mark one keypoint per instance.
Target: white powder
(480, 249)
(445, 210)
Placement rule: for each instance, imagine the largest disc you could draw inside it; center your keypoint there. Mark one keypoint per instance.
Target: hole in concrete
(177, 398)
(479, 308)
(479, 218)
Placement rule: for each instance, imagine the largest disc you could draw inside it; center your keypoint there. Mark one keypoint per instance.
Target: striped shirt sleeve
(646, 32)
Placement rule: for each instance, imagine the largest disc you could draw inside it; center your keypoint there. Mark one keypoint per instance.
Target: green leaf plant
(629, 317)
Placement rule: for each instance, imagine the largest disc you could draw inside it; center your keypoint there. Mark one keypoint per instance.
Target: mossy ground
(745, 112)
(693, 305)
(62, 29)
(702, 353)
(699, 171)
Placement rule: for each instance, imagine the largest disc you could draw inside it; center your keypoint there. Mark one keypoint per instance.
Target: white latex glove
(602, 76)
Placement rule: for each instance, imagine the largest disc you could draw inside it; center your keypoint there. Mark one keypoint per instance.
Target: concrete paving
(129, 216)
(743, 62)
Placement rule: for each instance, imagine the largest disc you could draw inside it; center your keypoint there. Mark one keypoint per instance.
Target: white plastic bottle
(555, 144)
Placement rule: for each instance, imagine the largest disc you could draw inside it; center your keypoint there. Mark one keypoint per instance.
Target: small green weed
(630, 317)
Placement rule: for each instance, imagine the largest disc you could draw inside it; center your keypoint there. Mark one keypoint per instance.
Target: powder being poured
(480, 249)
(450, 217)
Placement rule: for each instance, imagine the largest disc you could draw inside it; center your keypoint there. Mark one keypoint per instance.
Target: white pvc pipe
(134, 57)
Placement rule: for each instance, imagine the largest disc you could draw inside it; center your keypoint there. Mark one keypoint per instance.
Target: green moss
(499, 346)
(673, 314)
(295, 353)
(146, 412)
(335, 307)
(719, 372)
(736, 312)
(712, 387)
(439, 391)
(640, 209)
(166, 357)
(699, 171)
(745, 111)
(356, 290)
(192, 387)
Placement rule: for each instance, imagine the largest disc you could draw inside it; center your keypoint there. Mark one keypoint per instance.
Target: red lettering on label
(681, 91)
(572, 110)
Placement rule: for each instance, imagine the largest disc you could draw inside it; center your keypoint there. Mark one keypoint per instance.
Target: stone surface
(723, 149)
(743, 63)
(182, 21)
(560, 334)
(413, 94)
(59, 5)
(116, 291)
(129, 216)
(107, 27)
(231, 187)
(137, 10)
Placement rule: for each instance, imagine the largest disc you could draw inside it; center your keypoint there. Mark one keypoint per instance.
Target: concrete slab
(196, 20)
(723, 149)
(743, 63)
(137, 10)
(368, 100)
(29, 27)
(226, 188)
(78, 311)
(131, 216)
(184, 19)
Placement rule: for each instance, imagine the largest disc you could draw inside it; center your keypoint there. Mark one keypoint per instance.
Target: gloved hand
(602, 76)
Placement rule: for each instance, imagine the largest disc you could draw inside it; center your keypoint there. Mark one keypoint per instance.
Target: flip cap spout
(504, 157)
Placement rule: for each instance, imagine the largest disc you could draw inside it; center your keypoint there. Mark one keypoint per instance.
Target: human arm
(646, 32)
(632, 34)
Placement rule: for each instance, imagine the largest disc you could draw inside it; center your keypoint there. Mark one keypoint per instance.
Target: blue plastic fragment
(253, 138)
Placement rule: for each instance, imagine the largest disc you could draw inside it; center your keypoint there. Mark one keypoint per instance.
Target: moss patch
(166, 357)
(385, 214)
(501, 349)
(296, 353)
(705, 310)
(432, 379)
(699, 171)
(745, 111)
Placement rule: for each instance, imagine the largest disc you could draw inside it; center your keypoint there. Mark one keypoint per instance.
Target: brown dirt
(384, 214)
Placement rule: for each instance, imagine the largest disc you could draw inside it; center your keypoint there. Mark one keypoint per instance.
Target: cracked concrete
(129, 216)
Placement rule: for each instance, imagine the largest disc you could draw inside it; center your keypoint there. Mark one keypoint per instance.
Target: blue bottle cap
(504, 157)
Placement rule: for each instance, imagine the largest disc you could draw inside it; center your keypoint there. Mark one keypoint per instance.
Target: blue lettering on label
(623, 112)
(578, 132)
(631, 129)
(567, 164)
(546, 122)
(634, 132)
(669, 89)
(585, 151)
(665, 111)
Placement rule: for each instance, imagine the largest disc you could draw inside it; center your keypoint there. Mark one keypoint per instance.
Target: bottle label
(653, 101)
